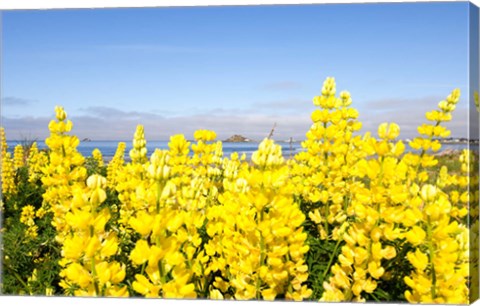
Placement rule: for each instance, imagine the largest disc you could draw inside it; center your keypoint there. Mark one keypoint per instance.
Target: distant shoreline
(460, 142)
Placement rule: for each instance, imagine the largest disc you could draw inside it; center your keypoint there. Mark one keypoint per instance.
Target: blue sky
(236, 70)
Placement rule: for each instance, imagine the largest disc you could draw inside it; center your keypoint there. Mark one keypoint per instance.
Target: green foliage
(23, 254)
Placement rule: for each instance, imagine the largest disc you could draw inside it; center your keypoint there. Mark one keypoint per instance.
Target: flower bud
(60, 113)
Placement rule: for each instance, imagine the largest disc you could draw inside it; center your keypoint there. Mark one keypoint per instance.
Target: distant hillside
(237, 138)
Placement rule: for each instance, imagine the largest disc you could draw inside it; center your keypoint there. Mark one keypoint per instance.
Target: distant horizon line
(251, 140)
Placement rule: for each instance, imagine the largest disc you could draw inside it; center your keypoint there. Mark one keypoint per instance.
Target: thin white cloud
(410, 113)
(16, 101)
(292, 118)
(99, 125)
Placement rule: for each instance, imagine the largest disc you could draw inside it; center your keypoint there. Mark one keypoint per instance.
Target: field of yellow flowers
(353, 217)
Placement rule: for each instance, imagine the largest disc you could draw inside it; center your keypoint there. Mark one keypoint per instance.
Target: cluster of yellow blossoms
(189, 222)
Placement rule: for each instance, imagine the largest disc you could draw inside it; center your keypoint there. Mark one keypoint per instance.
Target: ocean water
(108, 148)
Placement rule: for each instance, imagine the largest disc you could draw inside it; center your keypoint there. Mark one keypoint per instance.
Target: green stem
(331, 259)
(94, 276)
(159, 192)
(430, 255)
(19, 278)
(327, 207)
(262, 260)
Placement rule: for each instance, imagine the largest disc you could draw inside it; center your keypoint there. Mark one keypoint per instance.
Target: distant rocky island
(237, 138)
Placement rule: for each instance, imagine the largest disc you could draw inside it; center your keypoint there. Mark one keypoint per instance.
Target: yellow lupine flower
(78, 274)
(115, 291)
(418, 259)
(204, 135)
(97, 155)
(143, 223)
(416, 235)
(3, 141)
(18, 157)
(143, 286)
(140, 253)
(375, 269)
(138, 153)
(8, 175)
(109, 246)
(80, 219)
(366, 194)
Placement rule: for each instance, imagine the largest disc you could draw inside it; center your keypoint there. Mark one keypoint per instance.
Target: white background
(48, 4)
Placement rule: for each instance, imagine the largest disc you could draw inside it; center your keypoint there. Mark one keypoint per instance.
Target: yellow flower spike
(18, 157)
(179, 145)
(115, 165)
(8, 175)
(3, 142)
(97, 156)
(138, 153)
(27, 215)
